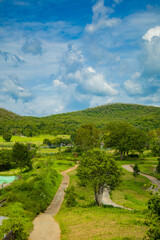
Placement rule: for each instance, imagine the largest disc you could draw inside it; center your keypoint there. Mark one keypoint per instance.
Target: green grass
(87, 221)
(38, 140)
(132, 192)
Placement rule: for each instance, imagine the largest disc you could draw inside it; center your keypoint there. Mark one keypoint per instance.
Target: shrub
(70, 197)
(136, 170)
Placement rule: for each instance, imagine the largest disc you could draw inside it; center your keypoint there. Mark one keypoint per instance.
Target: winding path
(45, 226)
(154, 180)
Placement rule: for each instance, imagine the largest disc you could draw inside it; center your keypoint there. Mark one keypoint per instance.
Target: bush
(154, 218)
(136, 170)
(70, 197)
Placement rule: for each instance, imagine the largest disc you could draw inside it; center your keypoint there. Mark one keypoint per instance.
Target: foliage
(146, 117)
(158, 166)
(70, 197)
(87, 137)
(154, 218)
(26, 198)
(136, 170)
(7, 136)
(5, 159)
(124, 137)
(99, 170)
(21, 155)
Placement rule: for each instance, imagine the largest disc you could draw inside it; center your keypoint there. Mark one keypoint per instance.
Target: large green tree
(21, 155)
(99, 170)
(124, 137)
(87, 137)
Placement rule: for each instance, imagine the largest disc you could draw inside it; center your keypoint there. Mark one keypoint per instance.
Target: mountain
(146, 117)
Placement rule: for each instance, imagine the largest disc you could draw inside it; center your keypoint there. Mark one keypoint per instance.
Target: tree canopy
(21, 155)
(99, 170)
(87, 137)
(124, 137)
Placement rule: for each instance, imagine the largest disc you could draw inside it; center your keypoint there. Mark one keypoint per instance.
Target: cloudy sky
(65, 55)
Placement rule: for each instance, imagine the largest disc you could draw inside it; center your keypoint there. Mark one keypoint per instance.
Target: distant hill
(146, 117)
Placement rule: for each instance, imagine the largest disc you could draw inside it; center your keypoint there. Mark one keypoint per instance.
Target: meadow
(86, 221)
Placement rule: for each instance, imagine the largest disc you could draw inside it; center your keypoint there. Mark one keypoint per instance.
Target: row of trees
(57, 142)
(120, 136)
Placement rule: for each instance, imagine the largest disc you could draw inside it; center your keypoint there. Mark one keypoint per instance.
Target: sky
(68, 55)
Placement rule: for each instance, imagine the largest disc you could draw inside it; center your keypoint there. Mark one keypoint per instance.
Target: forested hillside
(146, 117)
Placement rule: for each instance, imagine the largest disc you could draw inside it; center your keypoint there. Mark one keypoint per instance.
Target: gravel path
(45, 226)
(154, 180)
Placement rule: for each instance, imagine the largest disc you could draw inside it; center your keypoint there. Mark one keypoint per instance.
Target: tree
(136, 170)
(21, 155)
(87, 137)
(7, 136)
(99, 170)
(124, 137)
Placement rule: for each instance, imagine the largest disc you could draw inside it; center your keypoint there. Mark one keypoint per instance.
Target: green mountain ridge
(146, 117)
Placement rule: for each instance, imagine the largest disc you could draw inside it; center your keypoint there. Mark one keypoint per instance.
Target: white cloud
(153, 32)
(101, 19)
(91, 82)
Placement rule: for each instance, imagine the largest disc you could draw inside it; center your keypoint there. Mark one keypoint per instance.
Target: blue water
(7, 179)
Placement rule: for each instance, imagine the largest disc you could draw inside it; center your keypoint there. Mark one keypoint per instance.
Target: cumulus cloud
(153, 32)
(87, 80)
(33, 47)
(91, 82)
(151, 52)
(101, 19)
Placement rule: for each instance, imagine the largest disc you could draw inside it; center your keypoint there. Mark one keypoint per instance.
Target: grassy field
(87, 221)
(38, 140)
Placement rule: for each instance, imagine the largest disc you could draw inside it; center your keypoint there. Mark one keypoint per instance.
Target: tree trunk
(99, 195)
(121, 155)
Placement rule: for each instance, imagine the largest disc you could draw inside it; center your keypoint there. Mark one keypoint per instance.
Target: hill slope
(147, 117)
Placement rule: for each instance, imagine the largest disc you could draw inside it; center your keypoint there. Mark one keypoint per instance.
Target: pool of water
(7, 179)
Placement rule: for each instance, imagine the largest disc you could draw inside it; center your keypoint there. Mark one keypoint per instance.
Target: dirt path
(107, 201)
(154, 180)
(45, 226)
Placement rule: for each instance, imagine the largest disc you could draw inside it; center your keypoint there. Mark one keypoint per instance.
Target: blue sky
(67, 55)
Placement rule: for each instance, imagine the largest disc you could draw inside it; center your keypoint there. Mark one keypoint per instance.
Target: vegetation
(7, 136)
(87, 137)
(123, 137)
(136, 170)
(99, 170)
(21, 156)
(88, 221)
(145, 117)
(154, 218)
(26, 198)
